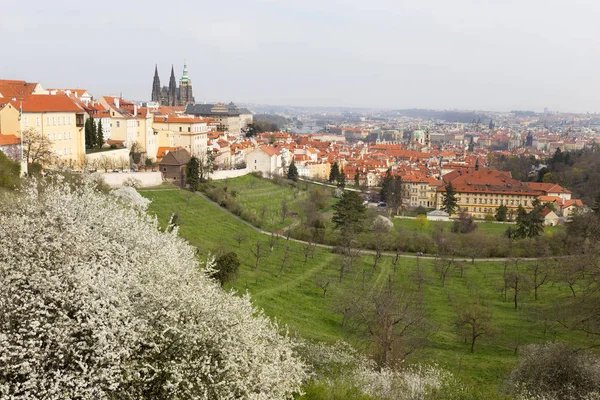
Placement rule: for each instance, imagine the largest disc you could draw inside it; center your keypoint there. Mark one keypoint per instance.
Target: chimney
(116, 102)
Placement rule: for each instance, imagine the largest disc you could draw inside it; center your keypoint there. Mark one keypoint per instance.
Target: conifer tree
(292, 173)
(192, 174)
(99, 135)
(449, 201)
(334, 172)
(89, 139)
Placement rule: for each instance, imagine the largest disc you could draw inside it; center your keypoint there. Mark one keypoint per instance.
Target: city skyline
(465, 55)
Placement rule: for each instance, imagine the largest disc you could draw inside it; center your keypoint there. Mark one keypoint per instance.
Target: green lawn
(483, 227)
(264, 196)
(294, 299)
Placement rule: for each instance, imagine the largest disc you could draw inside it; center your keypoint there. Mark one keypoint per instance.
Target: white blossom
(97, 303)
(128, 196)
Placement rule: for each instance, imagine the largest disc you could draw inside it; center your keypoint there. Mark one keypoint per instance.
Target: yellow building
(60, 121)
(9, 117)
(185, 132)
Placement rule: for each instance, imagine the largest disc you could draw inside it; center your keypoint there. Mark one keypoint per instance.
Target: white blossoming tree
(97, 303)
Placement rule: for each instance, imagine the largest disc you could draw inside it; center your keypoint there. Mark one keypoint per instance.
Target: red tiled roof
(49, 103)
(7, 140)
(16, 89)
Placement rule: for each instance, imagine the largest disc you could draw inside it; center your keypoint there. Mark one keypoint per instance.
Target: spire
(156, 85)
(172, 94)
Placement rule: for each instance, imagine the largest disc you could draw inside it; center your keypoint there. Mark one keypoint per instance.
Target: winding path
(371, 252)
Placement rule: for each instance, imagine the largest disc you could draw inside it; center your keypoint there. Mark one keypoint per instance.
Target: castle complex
(173, 95)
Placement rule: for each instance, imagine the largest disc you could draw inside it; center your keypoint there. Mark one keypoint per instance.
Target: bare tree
(540, 273)
(516, 280)
(273, 239)
(239, 238)
(259, 252)
(474, 321)
(124, 163)
(37, 148)
(443, 267)
(323, 282)
(105, 163)
(348, 254)
(285, 259)
(393, 317)
(284, 210)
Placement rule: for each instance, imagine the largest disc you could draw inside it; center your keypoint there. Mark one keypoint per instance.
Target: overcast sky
(464, 54)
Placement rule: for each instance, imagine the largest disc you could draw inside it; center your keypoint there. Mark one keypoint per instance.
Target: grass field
(483, 227)
(293, 298)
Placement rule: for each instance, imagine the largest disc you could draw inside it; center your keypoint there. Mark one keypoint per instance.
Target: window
(69, 120)
(70, 136)
(37, 121)
(54, 136)
(138, 123)
(53, 121)
(179, 129)
(47, 120)
(48, 137)
(64, 120)
(118, 124)
(189, 129)
(25, 121)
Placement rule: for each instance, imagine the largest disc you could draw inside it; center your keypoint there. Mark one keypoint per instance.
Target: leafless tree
(259, 252)
(348, 254)
(443, 267)
(285, 259)
(516, 280)
(239, 238)
(323, 282)
(105, 163)
(37, 148)
(540, 272)
(284, 210)
(473, 321)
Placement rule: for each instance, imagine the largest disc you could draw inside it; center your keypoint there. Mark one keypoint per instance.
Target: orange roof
(269, 150)
(162, 151)
(179, 120)
(547, 187)
(49, 103)
(16, 89)
(7, 140)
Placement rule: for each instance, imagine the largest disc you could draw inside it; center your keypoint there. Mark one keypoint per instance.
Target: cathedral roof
(215, 109)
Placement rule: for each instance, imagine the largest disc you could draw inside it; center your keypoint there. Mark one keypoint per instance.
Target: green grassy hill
(292, 296)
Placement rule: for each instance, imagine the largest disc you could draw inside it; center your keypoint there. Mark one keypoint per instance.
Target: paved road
(371, 252)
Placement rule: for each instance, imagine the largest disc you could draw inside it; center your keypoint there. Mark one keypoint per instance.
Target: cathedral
(173, 95)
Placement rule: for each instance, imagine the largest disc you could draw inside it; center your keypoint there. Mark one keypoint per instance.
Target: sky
(496, 55)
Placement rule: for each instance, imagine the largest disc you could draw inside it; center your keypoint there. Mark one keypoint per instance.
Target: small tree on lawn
(474, 321)
(349, 212)
(292, 173)
(192, 174)
(449, 201)
(227, 267)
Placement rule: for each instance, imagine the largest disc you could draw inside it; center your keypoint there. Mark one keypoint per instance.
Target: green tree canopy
(449, 201)
(10, 172)
(227, 267)
(501, 213)
(349, 212)
(292, 172)
(334, 172)
(192, 174)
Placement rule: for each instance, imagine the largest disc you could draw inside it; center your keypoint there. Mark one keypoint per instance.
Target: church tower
(156, 85)
(185, 88)
(173, 95)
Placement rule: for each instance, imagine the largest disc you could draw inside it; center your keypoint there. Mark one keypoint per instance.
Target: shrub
(96, 302)
(555, 371)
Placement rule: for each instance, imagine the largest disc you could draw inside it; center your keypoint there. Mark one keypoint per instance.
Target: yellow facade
(480, 205)
(64, 131)
(9, 120)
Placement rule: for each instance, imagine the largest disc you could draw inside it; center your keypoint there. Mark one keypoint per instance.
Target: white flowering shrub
(132, 182)
(340, 365)
(128, 196)
(97, 303)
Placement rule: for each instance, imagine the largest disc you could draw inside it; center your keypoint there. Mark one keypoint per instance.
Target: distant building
(172, 95)
(172, 166)
(230, 118)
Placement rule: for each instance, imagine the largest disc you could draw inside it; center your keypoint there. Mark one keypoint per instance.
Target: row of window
(61, 136)
(49, 121)
(495, 201)
(64, 151)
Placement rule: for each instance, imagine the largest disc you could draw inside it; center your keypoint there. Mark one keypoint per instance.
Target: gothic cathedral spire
(173, 95)
(156, 85)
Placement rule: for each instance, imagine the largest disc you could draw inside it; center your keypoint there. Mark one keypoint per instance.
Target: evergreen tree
(292, 172)
(449, 201)
(471, 145)
(341, 182)
(89, 139)
(334, 173)
(192, 174)
(596, 206)
(349, 212)
(357, 178)
(385, 185)
(501, 213)
(93, 133)
(99, 135)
